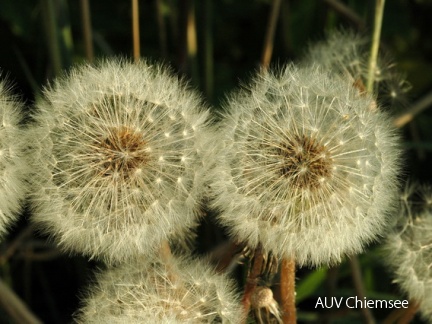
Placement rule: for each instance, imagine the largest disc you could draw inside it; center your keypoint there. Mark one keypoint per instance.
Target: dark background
(230, 38)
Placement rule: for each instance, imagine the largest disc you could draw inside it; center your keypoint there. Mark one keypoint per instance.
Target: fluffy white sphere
(152, 291)
(310, 170)
(14, 166)
(347, 54)
(408, 249)
(121, 145)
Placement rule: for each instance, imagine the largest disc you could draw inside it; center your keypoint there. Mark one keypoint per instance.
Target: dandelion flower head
(123, 145)
(175, 291)
(13, 158)
(310, 170)
(408, 249)
(346, 54)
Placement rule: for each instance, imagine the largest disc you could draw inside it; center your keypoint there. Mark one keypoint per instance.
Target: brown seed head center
(305, 162)
(122, 151)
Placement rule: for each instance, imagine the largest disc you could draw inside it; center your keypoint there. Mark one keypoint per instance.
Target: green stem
(379, 13)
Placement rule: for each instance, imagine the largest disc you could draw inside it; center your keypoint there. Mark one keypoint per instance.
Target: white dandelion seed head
(180, 291)
(118, 184)
(310, 172)
(408, 249)
(346, 54)
(14, 151)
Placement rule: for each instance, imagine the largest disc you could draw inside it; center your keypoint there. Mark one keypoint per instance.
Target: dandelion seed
(117, 133)
(163, 292)
(262, 301)
(315, 195)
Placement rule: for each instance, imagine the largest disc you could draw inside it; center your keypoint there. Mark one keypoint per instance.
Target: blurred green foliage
(40, 38)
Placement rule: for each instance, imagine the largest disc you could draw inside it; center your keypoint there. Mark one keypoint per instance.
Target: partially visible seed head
(14, 158)
(346, 54)
(408, 249)
(176, 291)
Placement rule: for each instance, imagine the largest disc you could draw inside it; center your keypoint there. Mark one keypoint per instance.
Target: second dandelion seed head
(310, 170)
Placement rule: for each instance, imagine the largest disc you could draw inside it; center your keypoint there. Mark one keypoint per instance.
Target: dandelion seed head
(15, 154)
(408, 249)
(117, 154)
(166, 292)
(347, 53)
(296, 176)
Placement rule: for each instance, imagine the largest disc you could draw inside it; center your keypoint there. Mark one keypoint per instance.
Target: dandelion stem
(269, 38)
(135, 30)
(360, 290)
(415, 109)
(402, 315)
(379, 12)
(87, 29)
(252, 279)
(287, 288)
(162, 28)
(208, 49)
(346, 12)
(14, 306)
(52, 31)
(16, 243)
(191, 39)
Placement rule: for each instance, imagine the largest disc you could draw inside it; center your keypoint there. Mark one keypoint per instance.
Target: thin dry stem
(287, 288)
(269, 38)
(252, 279)
(16, 243)
(379, 12)
(87, 29)
(162, 28)
(414, 110)
(402, 315)
(135, 31)
(346, 12)
(15, 307)
(50, 20)
(359, 288)
(191, 40)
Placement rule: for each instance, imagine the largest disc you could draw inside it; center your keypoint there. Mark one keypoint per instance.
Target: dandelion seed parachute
(408, 249)
(122, 145)
(177, 291)
(310, 171)
(13, 158)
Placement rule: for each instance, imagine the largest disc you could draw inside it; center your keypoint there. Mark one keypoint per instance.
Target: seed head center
(305, 162)
(122, 151)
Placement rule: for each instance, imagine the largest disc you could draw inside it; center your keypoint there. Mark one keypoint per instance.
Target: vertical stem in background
(15, 307)
(252, 279)
(87, 29)
(379, 12)
(360, 290)
(208, 49)
(49, 15)
(269, 38)
(287, 288)
(162, 28)
(191, 40)
(135, 30)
